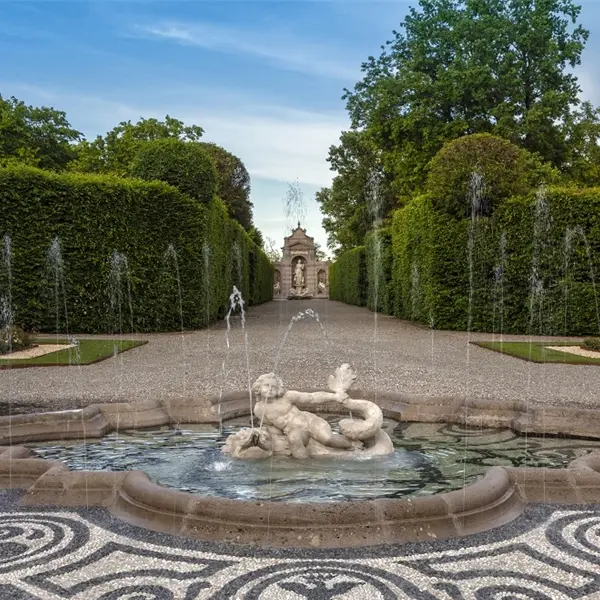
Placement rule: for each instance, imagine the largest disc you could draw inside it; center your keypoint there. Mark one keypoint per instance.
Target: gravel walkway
(548, 553)
(394, 356)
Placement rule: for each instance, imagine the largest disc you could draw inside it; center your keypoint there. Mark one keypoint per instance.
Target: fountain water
(119, 275)
(236, 302)
(498, 296)
(56, 267)
(170, 258)
(6, 308)
(415, 291)
(206, 258)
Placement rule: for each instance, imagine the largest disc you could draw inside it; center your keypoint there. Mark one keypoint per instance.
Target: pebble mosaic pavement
(548, 553)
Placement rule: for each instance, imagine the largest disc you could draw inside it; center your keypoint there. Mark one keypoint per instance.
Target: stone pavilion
(300, 274)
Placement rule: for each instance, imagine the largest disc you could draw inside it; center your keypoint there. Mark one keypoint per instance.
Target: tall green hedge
(93, 216)
(348, 277)
(532, 267)
(378, 262)
(479, 275)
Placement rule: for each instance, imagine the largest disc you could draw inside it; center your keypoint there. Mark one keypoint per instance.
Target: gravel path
(393, 356)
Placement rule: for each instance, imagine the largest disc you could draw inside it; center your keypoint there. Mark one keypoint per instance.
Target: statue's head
(268, 386)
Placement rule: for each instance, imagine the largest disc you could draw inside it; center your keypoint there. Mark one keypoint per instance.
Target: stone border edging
(498, 497)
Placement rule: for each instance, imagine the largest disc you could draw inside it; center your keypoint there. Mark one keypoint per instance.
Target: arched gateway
(300, 274)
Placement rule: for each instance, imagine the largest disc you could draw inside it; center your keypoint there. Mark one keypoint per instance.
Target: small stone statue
(321, 286)
(299, 274)
(277, 288)
(289, 430)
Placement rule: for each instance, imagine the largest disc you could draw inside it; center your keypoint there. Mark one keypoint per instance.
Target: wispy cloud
(277, 144)
(279, 49)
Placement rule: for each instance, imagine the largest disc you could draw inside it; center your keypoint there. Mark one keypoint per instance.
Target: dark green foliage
(115, 152)
(95, 215)
(37, 136)
(530, 268)
(378, 257)
(506, 170)
(591, 344)
(185, 165)
(13, 339)
(432, 277)
(348, 277)
(233, 184)
(454, 68)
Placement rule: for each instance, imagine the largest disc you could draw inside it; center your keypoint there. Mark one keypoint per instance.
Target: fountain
(302, 434)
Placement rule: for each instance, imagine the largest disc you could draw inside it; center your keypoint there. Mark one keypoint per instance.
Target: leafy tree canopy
(115, 152)
(233, 184)
(459, 67)
(40, 137)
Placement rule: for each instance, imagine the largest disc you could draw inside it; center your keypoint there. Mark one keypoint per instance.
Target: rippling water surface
(429, 458)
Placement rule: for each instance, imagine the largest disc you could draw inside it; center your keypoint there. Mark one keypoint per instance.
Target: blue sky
(263, 78)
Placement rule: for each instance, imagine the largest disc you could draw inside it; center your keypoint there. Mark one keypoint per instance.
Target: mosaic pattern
(55, 554)
(430, 458)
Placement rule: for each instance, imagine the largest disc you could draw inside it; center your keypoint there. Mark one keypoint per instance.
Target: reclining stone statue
(286, 429)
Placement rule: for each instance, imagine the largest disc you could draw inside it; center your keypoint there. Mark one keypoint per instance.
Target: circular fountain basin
(442, 443)
(429, 458)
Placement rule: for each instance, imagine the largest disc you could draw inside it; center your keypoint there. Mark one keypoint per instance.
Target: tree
(503, 168)
(271, 250)
(115, 152)
(320, 254)
(40, 137)
(460, 67)
(184, 165)
(233, 184)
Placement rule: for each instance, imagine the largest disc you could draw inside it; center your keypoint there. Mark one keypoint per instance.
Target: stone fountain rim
(495, 499)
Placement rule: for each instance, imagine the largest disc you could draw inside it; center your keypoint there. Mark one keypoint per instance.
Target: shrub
(13, 339)
(348, 277)
(185, 165)
(505, 170)
(591, 344)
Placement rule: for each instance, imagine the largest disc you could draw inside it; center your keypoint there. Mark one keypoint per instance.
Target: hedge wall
(529, 268)
(348, 277)
(435, 281)
(93, 216)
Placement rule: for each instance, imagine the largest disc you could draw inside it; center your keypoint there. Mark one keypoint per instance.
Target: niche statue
(287, 429)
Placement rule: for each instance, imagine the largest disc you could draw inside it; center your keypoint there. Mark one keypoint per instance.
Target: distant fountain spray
(206, 258)
(6, 309)
(57, 269)
(236, 302)
(498, 298)
(119, 275)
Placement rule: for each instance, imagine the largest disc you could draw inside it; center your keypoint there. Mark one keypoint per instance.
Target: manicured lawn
(536, 352)
(89, 351)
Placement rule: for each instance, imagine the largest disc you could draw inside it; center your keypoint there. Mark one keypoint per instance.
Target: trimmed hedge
(530, 268)
(95, 215)
(184, 165)
(433, 257)
(348, 277)
(378, 257)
